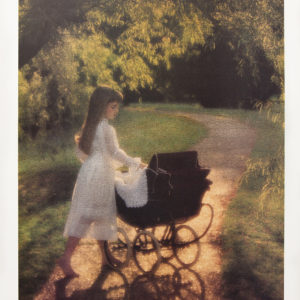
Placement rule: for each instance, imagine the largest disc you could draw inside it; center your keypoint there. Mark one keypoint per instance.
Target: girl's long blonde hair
(99, 100)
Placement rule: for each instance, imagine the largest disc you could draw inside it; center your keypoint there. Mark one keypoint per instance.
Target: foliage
(271, 169)
(252, 26)
(32, 104)
(217, 53)
(118, 44)
(67, 72)
(144, 35)
(39, 21)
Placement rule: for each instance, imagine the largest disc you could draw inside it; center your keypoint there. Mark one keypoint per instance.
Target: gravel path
(224, 151)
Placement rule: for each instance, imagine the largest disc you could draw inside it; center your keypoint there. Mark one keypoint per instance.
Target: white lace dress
(93, 208)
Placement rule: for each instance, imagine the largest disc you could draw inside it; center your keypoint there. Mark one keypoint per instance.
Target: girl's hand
(142, 165)
(77, 139)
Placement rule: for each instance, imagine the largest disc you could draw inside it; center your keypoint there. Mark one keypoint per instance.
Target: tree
(251, 27)
(39, 21)
(149, 48)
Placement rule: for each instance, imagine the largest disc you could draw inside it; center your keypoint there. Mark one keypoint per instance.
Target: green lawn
(47, 173)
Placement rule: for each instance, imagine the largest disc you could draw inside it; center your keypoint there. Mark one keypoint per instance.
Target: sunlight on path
(225, 152)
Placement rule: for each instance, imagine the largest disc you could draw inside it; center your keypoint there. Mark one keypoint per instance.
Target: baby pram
(176, 186)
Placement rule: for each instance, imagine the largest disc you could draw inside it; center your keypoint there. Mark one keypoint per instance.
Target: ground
(225, 151)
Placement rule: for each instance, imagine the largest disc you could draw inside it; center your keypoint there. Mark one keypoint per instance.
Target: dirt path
(225, 152)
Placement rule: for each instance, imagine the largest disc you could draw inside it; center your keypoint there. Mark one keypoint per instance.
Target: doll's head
(102, 105)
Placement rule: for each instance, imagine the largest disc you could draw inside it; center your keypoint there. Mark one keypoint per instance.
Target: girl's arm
(115, 151)
(80, 154)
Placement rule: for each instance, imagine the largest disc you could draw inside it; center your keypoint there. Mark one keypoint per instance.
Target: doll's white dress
(93, 208)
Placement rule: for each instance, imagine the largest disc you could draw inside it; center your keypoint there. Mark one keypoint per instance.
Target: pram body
(176, 186)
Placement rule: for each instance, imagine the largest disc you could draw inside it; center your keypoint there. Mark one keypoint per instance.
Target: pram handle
(186, 159)
(157, 173)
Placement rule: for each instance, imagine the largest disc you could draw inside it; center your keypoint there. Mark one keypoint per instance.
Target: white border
(8, 150)
(292, 151)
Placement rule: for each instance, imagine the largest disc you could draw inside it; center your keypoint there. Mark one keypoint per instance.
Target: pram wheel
(119, 250)
(163, 234)
(146, 251)
(186, 245)
(208, 213)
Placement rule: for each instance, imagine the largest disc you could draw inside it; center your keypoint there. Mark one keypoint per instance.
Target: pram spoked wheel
(146, 251)
(163, 234)
(208, 211)
(119, 250)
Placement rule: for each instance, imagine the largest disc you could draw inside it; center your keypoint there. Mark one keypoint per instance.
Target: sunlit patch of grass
(169, 107)
(40, 242)
(145, 133)
(253, 249)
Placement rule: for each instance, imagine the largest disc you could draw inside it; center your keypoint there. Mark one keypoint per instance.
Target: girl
(93, 208)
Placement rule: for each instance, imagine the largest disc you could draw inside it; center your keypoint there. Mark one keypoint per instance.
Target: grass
(147, 134)
(47, 173)
(40, 243)
(253, 230)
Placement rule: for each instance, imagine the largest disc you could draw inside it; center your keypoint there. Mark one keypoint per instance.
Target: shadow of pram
(167, 282)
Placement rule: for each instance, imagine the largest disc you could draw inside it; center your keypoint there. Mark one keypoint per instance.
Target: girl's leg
(65, 261)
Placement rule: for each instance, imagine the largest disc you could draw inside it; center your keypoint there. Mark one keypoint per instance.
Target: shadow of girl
(110, 284)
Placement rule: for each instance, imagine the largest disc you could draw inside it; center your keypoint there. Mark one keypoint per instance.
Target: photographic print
(151, 149)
